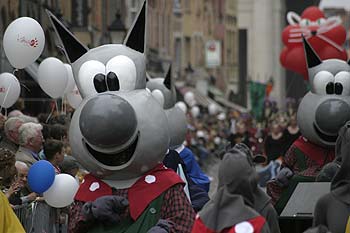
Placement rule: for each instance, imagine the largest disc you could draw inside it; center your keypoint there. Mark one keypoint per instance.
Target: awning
(230, 104)
(216, 91)
(201, 99)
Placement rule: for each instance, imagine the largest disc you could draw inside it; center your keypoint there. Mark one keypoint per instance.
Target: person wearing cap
(9, 222)
(232, 207)
(69, 166)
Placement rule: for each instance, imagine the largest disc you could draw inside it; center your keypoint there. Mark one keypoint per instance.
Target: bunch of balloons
(58, 190)
(23, 43)
(326, 36)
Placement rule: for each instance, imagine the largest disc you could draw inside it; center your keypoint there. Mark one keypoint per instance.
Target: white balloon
(10, 90)
(70, 79)
(189, 97)
(52, 77)
(182, 106)
(74, 97)
(212, 109)
(62, 191)
(23, 41)
(192, 103)
(195, 111)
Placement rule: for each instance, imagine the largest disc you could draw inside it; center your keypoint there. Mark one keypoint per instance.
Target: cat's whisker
(299, 30)
(329, 41)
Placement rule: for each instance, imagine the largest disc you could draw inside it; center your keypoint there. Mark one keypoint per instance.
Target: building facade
(260, 25)
(177, 33)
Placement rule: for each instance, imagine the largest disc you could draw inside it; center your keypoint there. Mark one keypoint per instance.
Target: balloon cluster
(326, 36)
(23, 42)
(58, 190)
(191, 102)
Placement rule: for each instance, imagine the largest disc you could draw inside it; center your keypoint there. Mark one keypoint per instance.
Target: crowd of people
(269, 139)
(26, 140)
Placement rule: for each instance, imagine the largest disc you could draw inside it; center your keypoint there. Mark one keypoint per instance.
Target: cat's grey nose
(107, 120)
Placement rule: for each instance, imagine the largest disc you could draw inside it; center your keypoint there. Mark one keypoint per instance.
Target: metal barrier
(39, 217)
(24, 214)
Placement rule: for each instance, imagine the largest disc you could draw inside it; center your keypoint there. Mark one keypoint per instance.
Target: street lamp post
(117, 30)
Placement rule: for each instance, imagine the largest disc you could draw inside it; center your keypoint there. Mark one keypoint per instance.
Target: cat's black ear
(72, 47)
(312, 59)
(167, 81)
(136, 37)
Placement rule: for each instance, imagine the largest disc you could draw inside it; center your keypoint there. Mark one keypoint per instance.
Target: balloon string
(62, 104)
(57, 107)
(65, 105)
(24, 86)
(3, 102)
(49, 116)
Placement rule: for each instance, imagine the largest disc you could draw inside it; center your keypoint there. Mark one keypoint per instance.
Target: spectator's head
(69, 166)
(14, 113)
(53, 150)
(7, 167)
(241, 127)
(46, 131)
(293, 121)
(22, 173)
(26, 119)
(58, 132)
(31, 137)
(275, 128)
(11, 128)
(283, 121)
(59, 119)
(42, 118)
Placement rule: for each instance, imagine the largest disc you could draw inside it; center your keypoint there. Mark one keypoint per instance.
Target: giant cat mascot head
(119, 131)
(326, 107)
(164, 90)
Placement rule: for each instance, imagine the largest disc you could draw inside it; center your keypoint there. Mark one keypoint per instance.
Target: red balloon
(326, 36)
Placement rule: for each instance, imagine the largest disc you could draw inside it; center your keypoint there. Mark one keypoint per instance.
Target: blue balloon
(41, 176)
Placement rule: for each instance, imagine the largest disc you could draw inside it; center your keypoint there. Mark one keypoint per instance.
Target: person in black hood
(332, 209)
(232, 206)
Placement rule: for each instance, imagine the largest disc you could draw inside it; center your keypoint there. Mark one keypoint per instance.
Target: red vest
(256, 223)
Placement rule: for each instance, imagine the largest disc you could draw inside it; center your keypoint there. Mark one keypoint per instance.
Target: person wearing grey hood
(262, 202)
(231, 208)
(332, 209)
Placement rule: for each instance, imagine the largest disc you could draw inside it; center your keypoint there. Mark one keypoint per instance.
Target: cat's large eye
(323, 83)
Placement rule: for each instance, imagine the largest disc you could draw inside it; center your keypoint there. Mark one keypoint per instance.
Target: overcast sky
(335, 4)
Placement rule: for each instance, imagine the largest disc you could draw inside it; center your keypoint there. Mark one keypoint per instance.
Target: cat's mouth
(325, 137)
(113, 159)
